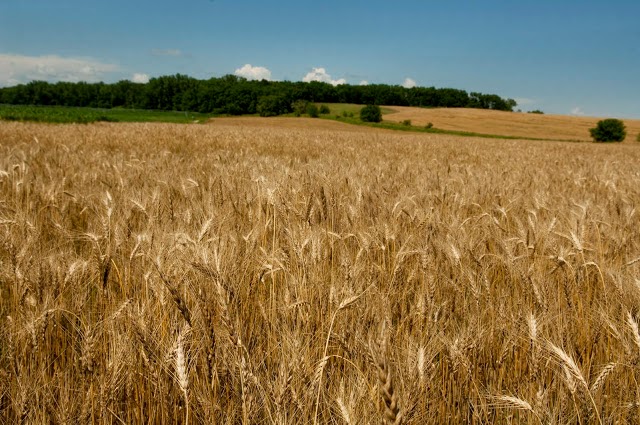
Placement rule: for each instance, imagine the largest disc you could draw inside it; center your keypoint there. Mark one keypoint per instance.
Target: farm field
(452, 121)
(543, 126)
(299, 271)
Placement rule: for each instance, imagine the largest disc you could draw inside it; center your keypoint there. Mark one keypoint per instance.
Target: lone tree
(371, 113)
(609, 130)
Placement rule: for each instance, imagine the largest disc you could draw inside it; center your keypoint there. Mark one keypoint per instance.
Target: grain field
(265, 274)
(541, 126)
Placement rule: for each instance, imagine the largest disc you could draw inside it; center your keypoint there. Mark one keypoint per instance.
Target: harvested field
(226, 273)
(556, 127)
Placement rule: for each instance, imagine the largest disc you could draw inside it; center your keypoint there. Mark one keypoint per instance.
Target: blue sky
(566, 57)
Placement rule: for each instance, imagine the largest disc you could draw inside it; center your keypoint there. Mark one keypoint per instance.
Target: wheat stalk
(346, 303)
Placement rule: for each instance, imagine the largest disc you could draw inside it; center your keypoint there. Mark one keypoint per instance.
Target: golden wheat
(236, 272)
(545, 126)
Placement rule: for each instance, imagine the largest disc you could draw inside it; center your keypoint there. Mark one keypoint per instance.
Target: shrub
(407, 123)
(638, 138)
(429, 125)
(270, 106)
(300, 107)
(371, 113)
(609, 130)
(312, 110)
(536, 111)
(324, 110)
(106, 118)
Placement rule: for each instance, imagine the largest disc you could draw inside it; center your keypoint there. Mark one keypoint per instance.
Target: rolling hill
(558, 127)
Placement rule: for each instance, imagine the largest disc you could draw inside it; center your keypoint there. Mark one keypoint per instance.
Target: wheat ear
(392, 411)
(573, 373)
(177, 298)
(602, 376)
(344, 411)
(182, 374)
(633, 324)
(512, 402)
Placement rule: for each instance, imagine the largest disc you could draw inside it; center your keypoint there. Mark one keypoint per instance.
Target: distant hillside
(560, 127)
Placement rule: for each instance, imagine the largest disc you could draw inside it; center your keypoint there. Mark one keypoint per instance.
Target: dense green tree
(231, 94)
(609, 130)
(313, 111)
(272, 105)
(299, 107)
(371, 113)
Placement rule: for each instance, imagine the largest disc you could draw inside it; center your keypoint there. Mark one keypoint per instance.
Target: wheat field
(543, 126)
(264, 274)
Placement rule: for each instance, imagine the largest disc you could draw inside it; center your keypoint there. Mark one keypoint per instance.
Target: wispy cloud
(167, 52)
(577, 111)
(409, 83)
(320, 74)
(16, 69)
(140, 78)
(251, 72)
(523, 101)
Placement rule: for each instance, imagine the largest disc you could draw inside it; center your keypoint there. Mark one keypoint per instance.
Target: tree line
(236, 95)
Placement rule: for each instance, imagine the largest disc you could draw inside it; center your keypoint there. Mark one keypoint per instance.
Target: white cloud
(251, 72)
(320, 74)
(166, 52)
(577, 111)
(409, 83)
(364, 83)
(140, 78)
(523, 101)
(16, 69)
